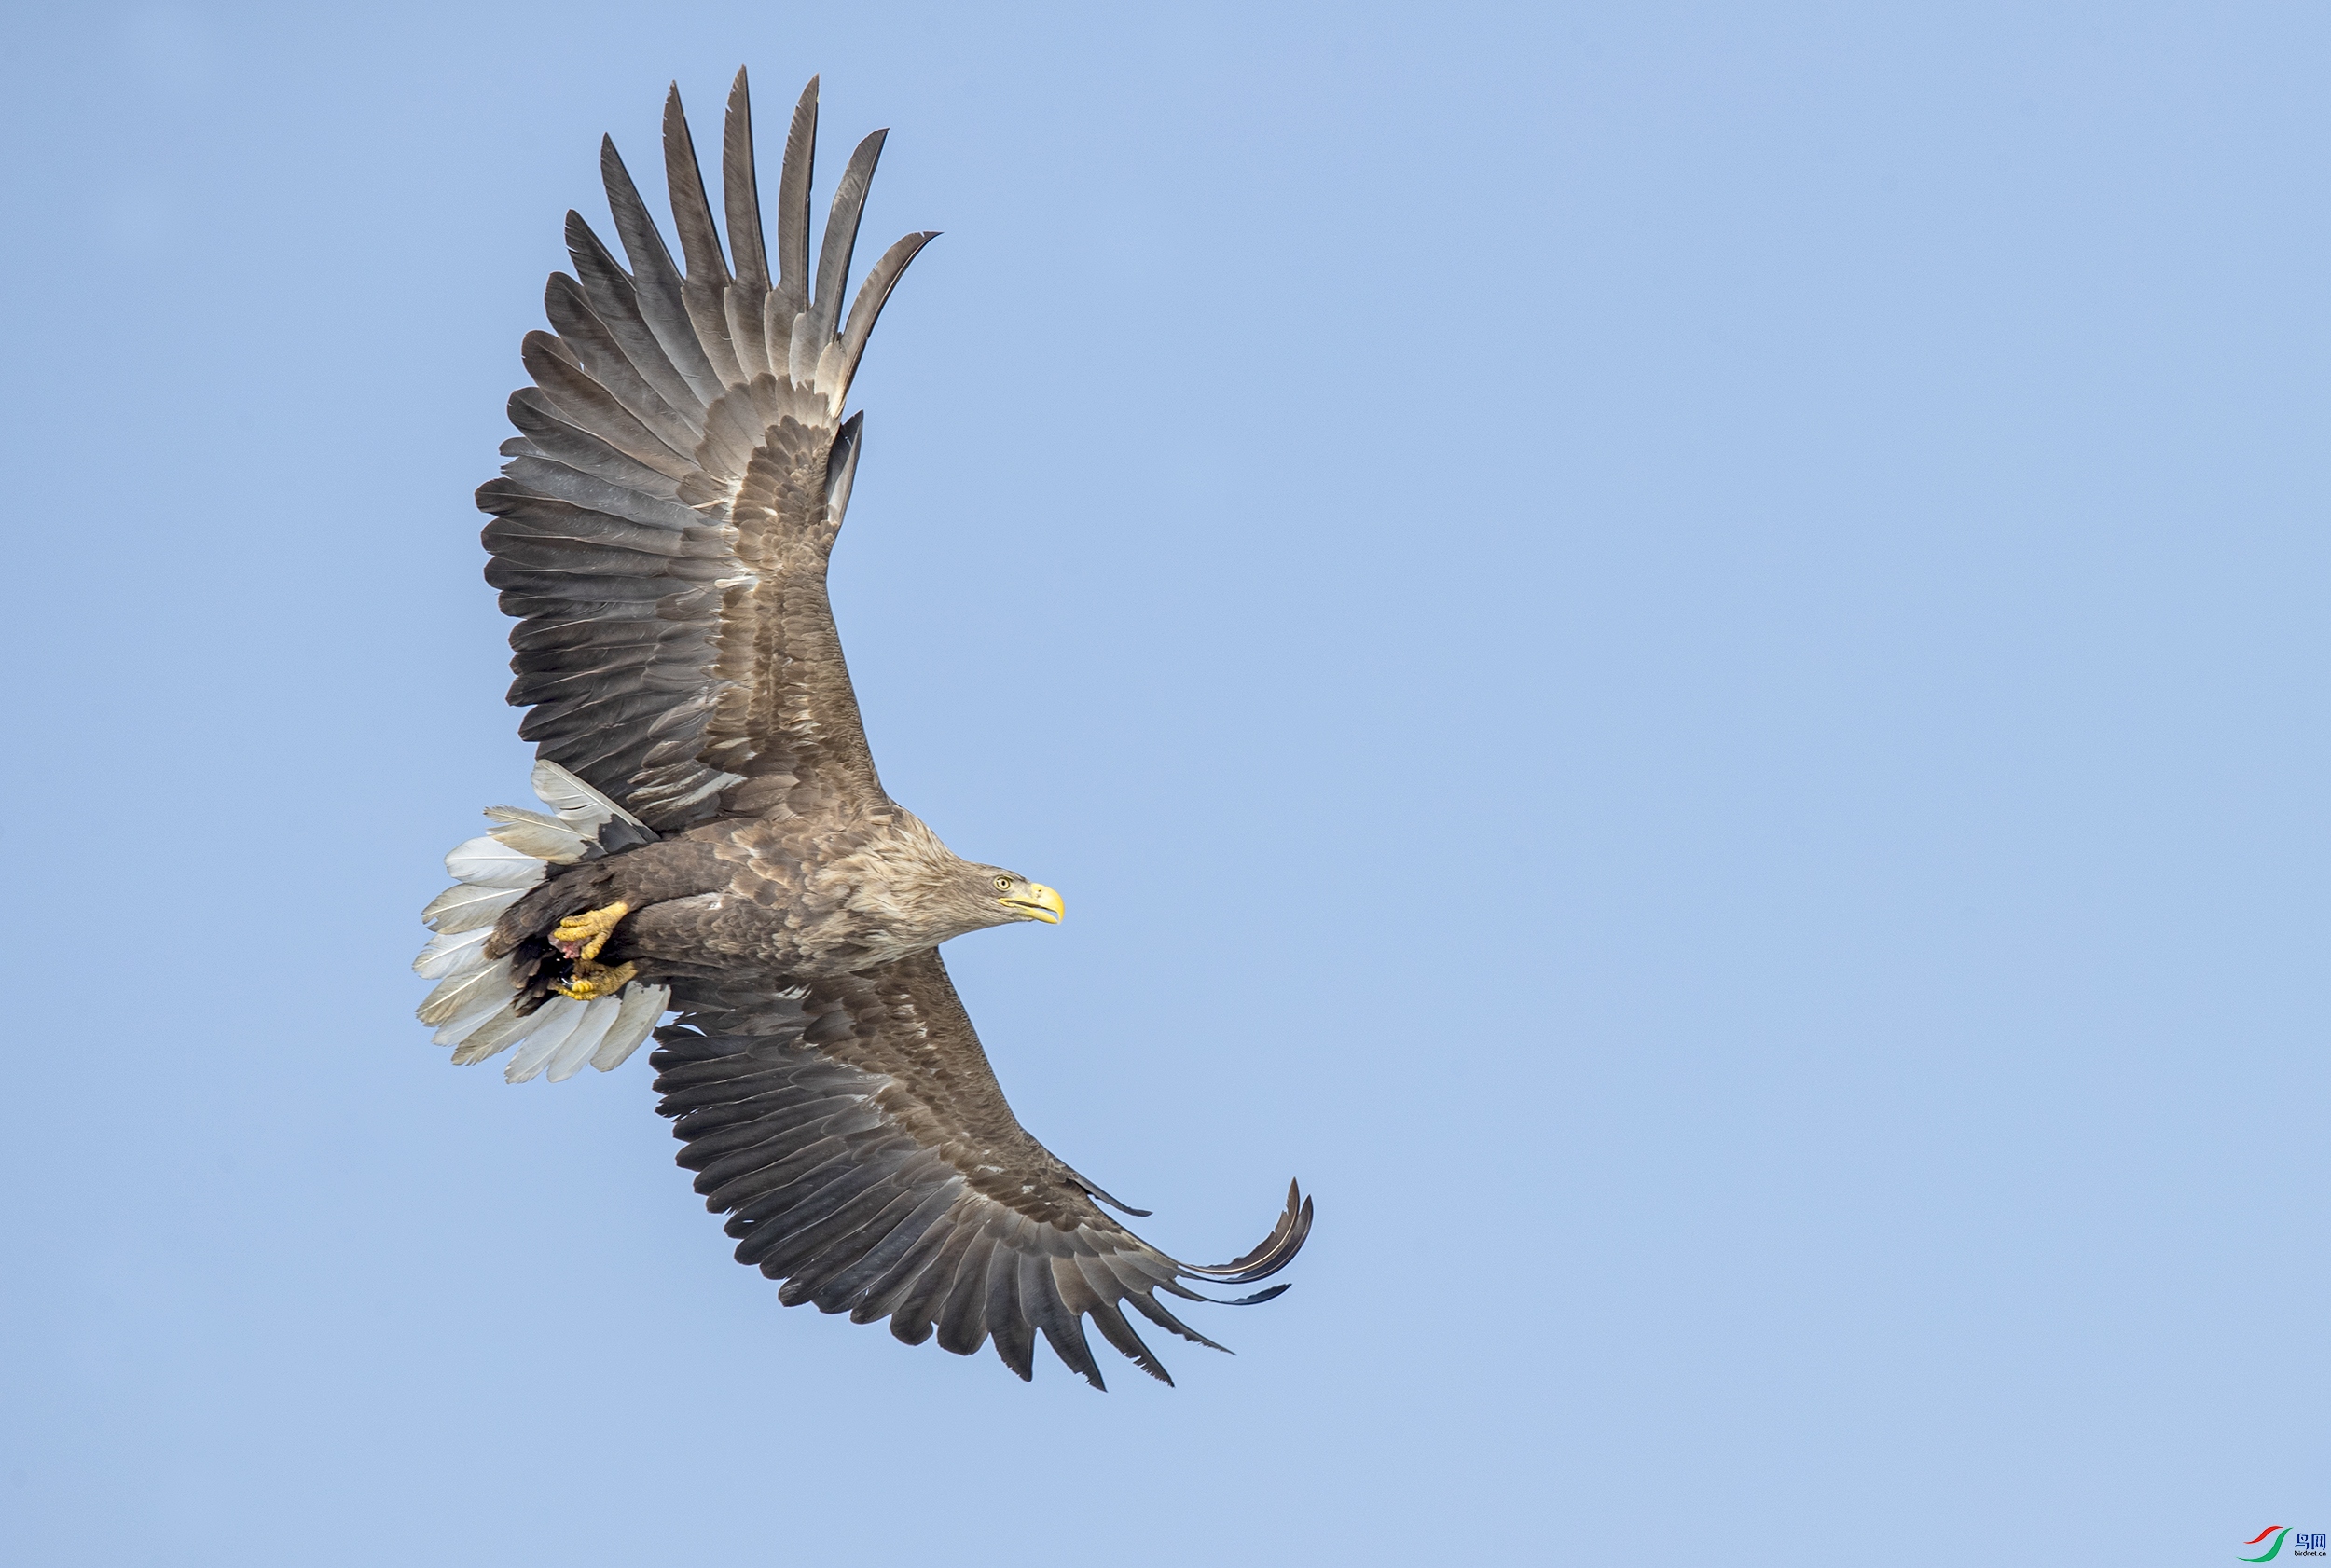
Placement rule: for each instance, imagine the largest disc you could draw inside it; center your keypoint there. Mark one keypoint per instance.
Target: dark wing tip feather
(1154, 1310)
(875, 292)
(841, 233)
(1092, 1190)
(740, 187)
(793, 199)
(1056, 1318)
(1120, 1337)
(1275, 1251)
(684, 184)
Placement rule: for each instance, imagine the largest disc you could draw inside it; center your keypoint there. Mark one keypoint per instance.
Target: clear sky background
(1678, 654)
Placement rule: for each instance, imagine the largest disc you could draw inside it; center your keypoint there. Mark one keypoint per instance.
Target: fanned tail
(473, 1008)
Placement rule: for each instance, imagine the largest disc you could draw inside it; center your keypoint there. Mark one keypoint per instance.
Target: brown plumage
(720, 843)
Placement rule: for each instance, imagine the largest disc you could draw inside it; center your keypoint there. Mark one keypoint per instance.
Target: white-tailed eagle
(716, 843)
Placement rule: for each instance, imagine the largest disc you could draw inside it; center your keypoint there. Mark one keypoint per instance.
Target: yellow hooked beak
(1039, 903)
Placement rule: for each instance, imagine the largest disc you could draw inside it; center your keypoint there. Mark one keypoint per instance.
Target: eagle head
(1019, 898)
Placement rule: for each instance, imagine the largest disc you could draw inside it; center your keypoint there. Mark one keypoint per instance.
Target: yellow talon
(591, 980)
(581, 936)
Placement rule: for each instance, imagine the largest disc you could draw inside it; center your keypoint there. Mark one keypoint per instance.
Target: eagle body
(717, 864)
(798, 896)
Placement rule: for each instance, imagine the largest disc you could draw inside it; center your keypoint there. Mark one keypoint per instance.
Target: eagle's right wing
(855, 1136)
(662, 527)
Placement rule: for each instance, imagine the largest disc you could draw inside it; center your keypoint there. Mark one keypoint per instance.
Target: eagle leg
(581, 936)
(589, 982)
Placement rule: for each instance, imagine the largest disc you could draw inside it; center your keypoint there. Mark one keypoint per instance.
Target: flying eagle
(717, 843)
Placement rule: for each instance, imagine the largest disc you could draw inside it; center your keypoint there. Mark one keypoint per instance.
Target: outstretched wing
(662, 527)
(856, 1137)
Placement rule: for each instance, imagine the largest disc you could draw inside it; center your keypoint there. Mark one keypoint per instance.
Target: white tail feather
(554, 845)
(530, 832)
(574, 1052)
(462, 1025)
(574, 801)
(524, 814)
(452, 953)
(553, 1024)
(499, 1033)
(471, 1006)
(643, 1005)
(488, 862)
(464, 908)
(459, 994)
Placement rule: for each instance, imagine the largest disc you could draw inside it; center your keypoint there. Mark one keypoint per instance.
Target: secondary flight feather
(717, 843)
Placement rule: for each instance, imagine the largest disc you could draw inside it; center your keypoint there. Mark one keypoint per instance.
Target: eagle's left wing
(857, 1139)
(682, 464)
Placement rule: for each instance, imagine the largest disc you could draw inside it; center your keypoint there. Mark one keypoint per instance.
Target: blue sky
(1677, 654)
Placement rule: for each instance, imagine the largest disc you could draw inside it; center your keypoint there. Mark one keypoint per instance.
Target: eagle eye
(1003, 885)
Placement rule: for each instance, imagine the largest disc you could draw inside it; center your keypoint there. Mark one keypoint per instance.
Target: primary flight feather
(717, 842)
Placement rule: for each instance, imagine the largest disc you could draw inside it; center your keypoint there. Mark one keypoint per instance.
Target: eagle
(715, 844)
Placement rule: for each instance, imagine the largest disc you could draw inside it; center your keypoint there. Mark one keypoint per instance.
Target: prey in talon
(588, 981)
(581, 936)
